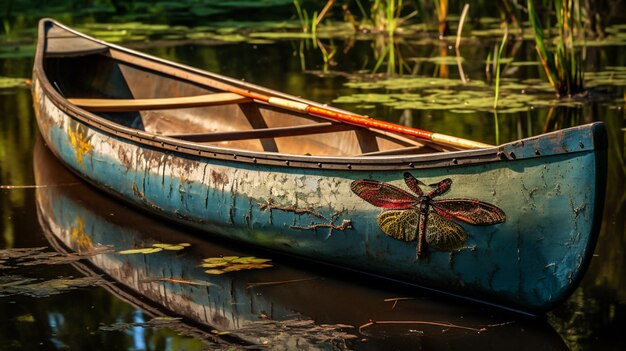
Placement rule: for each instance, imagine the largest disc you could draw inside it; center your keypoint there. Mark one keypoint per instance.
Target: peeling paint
(269, 206)
(80, 143)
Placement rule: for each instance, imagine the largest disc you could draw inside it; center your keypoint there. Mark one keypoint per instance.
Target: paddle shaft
(361, 121)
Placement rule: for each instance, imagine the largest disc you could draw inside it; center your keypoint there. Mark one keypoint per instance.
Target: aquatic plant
(562, 64)
(498, 58)
(442, 14)
(226, 264)
(303, 16)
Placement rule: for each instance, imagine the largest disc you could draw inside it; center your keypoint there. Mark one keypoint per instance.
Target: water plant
(562, 63)
(442, 14)
(498, 58)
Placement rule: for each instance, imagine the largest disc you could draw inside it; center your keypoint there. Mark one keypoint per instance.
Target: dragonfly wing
(413, 183)
(443, 234)
(399, 224)
(383, 195)
(469, 211)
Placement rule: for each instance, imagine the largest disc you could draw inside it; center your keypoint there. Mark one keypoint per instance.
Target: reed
(303, 16)
(442, 14)
(561, 63)
(498, 58)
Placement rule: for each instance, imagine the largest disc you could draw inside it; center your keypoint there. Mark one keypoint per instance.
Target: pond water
(51, 299)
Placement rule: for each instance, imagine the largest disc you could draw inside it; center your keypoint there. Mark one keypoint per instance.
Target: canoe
(269, 308)
(512, 225)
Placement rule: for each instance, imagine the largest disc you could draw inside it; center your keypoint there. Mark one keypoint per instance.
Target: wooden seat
(128, 105)
(317, 128)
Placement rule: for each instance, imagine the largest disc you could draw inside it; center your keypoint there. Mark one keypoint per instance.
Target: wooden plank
(62, 43)
(127, 105)
(254, 116)
(399, 151)
(317, 128)
(367, 140)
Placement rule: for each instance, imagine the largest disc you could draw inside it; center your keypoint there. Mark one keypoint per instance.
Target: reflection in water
(280, 306)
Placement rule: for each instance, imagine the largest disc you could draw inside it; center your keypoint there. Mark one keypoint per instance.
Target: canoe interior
(101, 72)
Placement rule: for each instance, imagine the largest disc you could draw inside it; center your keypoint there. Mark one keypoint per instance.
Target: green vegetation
(562, 64)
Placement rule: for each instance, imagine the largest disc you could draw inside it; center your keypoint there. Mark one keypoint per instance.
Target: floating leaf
(145, 251)
(212, 265)
(155, 248)
(221, 265)
(172, 247)
(214, 271)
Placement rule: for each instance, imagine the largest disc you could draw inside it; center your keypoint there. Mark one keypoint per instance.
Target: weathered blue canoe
(273, 307)
(513, 225)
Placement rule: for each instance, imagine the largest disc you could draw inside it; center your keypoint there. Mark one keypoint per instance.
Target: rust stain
(80, 143)
(143, 198)
(124, 158)
(219, 178)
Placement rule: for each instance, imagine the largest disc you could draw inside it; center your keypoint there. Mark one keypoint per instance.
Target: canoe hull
(530, 262)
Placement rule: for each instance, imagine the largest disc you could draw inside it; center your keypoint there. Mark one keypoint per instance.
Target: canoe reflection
(282, 305)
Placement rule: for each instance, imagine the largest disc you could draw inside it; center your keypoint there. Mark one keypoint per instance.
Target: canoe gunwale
(507, 152)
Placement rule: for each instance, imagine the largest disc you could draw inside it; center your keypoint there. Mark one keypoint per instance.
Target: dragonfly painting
(432, 222)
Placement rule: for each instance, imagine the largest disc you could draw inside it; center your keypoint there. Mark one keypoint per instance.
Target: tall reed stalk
(561, 63)
(498, 58)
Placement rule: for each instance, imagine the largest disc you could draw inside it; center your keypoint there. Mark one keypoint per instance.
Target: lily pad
(145, 251)
(155, 248)
(226, 264)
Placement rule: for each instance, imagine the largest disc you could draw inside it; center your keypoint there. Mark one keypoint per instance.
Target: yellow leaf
(174, 247)
(214, 271)
(144, 251)
(213, 265)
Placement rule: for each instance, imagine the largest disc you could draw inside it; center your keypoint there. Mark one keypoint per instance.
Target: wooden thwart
(127, 105)
(317, 128)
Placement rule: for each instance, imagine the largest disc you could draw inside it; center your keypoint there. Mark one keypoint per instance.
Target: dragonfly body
(408, 217)
(423, 219)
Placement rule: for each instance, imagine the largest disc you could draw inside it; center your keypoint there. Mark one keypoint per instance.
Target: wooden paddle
(237, 96)
(125, 105)
(362, 121)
